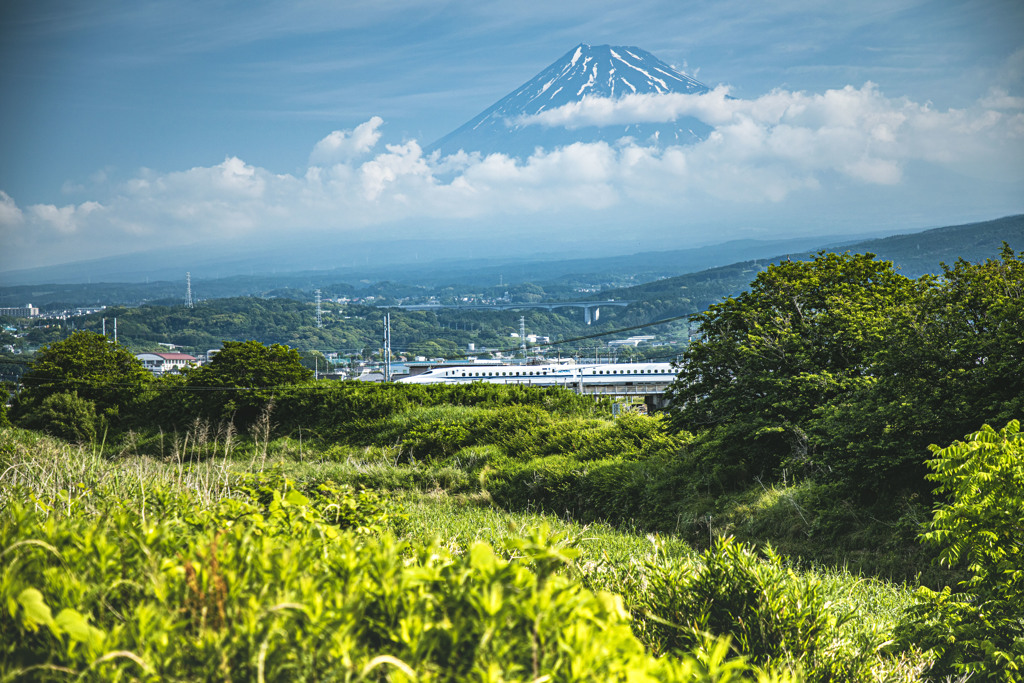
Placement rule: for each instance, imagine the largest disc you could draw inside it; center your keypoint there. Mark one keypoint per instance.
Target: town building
(159, 363)
(26, 311)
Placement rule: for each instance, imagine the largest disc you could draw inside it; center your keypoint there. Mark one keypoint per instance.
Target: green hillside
(913, 255)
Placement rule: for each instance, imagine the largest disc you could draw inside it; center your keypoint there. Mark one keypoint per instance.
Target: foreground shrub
(770, 613)
(156, 587)
(979, 629)
(65, 415)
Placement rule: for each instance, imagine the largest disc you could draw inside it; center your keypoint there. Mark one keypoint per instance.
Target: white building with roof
(159, 363)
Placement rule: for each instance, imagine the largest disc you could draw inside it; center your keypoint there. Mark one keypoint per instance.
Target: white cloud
(767, 154)
(10, 214)
(999, 98)
(341, 146)
(62, 220)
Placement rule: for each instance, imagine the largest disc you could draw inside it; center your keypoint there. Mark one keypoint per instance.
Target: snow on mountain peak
(585, 71)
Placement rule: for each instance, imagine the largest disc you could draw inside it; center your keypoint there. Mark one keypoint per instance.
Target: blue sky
(125, 123)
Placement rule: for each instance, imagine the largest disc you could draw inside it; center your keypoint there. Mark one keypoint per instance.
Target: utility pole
(319, 318)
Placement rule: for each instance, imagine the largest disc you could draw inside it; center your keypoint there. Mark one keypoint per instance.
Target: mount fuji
(584, 72)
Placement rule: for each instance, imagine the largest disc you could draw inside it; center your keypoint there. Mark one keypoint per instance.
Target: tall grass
(55, 470)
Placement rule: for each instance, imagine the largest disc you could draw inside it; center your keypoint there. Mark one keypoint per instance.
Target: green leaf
(77, 626)
(37, 613)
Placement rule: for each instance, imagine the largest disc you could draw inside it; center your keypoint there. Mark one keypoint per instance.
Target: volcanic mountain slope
(585, 71)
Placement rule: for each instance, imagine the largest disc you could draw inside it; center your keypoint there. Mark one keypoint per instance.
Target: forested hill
(914, 255)
(922, 252)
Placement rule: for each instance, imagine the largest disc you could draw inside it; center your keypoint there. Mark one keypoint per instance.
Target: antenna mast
(319, 318)
(188, 290)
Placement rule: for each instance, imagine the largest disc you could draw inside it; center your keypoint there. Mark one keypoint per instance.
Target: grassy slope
(611, 558)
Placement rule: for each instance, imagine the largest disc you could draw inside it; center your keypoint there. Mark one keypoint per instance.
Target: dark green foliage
(89, 365)
(436, 440)
(979, 629)
(950, 363)
(358, 412)
(251, 365)
(65, 415)
(625, 471)
(513, 428)
(767, 360)
(771, 613)
(839, 368)
(239, 382)
(631, 436)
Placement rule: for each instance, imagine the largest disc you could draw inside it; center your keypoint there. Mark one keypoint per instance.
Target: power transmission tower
(387, 347)
(319, 318)
(522, 334)
(188, 290)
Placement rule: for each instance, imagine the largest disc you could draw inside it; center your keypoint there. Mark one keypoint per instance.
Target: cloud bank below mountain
(782, 157)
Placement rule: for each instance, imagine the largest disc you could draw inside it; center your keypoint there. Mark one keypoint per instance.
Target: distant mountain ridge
(585, 71)
(913, 255)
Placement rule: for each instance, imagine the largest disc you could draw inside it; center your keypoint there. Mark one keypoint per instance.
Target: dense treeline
(349, 329)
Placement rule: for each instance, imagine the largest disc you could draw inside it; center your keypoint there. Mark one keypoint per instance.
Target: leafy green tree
(978, 630)
(89, 365)
(950, 362)
(242, 379)
(767, 360)
(252, 365)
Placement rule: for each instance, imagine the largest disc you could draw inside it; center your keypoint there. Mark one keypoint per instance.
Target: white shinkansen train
(573, 376)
